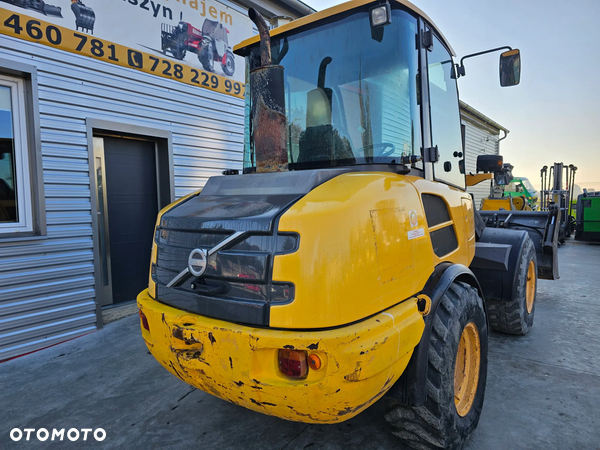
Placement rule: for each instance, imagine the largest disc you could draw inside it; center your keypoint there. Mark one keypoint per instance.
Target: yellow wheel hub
(466, 371)
(530, 287)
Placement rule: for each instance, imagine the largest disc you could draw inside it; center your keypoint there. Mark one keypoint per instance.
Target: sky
(554, 113)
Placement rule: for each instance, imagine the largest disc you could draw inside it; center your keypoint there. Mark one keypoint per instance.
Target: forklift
(558, 183)
(346, 262)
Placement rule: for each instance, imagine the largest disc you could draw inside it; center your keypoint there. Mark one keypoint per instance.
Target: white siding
(396, 122)
(47, 285)
(479, 140)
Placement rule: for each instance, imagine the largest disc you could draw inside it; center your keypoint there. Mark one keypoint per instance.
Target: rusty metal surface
(269, 123)
(268, 120)
(265, 38)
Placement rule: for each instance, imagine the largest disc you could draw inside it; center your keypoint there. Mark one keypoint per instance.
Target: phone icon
(135, 59)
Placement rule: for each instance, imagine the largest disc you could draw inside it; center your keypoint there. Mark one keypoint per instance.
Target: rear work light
(293, 363)
(380, 15)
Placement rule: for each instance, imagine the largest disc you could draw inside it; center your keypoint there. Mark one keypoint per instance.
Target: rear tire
(516, 315)
(206, 56)
(459, 324)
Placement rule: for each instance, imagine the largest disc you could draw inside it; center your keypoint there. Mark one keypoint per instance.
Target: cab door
(445, 117)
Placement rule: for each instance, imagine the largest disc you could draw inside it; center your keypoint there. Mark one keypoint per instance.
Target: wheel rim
(530, 290)
(466, 371)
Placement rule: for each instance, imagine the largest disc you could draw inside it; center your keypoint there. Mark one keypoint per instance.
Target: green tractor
(522, 187)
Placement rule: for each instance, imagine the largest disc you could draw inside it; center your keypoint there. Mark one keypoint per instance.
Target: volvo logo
(197, 262)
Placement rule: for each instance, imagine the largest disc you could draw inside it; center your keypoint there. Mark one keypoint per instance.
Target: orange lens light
(314, 362)
(293, 363)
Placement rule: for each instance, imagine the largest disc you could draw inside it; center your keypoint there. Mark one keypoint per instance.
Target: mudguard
(411, 387)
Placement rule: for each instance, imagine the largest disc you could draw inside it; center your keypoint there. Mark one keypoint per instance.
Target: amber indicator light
(314, 362)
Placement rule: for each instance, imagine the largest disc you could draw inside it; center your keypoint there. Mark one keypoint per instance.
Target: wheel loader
(346, 262)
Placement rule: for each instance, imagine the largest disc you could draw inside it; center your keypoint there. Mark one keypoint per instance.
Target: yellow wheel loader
(346, 263)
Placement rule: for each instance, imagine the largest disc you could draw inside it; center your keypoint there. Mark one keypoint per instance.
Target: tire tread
(424, 427)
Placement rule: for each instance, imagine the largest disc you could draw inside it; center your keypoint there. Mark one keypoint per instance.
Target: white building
(481, 137)
(97, 133)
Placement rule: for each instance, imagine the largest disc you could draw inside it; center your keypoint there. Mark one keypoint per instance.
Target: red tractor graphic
(210, 44)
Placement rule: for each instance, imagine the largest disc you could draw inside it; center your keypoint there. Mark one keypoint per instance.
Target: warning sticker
(414, 219)
(413, 234)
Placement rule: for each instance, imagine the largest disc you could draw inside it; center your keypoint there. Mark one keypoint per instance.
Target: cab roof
(243, 47)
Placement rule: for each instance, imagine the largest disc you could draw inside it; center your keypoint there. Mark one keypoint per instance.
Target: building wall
(480, 139)
(47, 285)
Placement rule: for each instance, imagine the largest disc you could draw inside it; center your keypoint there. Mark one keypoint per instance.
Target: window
(350, 98)
(440, 224)
(445, 117)
(15, 185)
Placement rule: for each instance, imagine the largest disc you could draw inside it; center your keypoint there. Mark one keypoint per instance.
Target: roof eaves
(480, 116)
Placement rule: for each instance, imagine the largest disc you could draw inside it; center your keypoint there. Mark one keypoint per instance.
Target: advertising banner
(190, 41)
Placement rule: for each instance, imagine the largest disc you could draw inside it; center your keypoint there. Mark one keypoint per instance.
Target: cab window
(445, 117)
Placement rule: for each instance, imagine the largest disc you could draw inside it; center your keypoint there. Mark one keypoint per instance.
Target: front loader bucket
(51, 10)
(85, 18)
(542, 227)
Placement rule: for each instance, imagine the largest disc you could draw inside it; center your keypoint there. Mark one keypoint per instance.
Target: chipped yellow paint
(356, 255)
(359, 262)
(360, 362)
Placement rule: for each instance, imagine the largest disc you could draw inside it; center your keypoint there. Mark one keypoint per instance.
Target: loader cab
(366, 96)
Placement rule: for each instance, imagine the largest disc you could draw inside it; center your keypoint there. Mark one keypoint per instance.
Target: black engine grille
(237, 285)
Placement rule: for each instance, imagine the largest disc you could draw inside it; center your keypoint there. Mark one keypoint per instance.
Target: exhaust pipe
(268, 120)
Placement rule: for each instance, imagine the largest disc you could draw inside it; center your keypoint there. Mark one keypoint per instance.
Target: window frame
(27, 74)
(434, 166)
(22, 175)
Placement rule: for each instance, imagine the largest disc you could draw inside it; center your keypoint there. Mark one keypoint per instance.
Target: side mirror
(510, 68)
